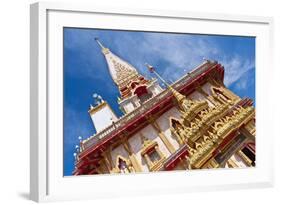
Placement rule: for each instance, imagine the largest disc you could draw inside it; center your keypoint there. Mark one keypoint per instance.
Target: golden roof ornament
(103, 49)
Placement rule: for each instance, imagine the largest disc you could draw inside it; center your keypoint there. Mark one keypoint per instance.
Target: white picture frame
(46, 179)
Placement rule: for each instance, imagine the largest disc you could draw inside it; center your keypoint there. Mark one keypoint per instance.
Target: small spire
(103, 49)
(100, 44)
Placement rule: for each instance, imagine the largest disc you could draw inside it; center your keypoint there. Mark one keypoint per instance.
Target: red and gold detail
(135, 85)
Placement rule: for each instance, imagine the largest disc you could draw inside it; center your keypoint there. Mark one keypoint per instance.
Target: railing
(147, 105)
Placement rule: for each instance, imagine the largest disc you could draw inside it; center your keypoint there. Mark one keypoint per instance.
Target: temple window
(123, 166)
(145, 97)
(142, 93)
(177, 129)
(221, 94)
(152, 154)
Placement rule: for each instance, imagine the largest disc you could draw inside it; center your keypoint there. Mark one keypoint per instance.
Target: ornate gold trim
(151, 145)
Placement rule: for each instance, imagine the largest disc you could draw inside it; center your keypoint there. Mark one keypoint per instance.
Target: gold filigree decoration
(198, 128)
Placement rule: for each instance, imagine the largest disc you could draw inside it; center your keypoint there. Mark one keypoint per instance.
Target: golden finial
(100, 44)
(103, 49)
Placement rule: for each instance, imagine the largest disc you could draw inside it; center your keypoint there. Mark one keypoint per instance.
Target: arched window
(151, 153)
(134, 84)
(122, 165)
(177, 129)
(142, 93)
(221, 94)
(154, 156)
(175, 123)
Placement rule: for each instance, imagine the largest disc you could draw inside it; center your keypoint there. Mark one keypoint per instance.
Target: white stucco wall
(120, 150)
(150, 133)
(136, 144)
(207, 88)
(103, 118)
(136, 101)
(155, 89)
(196, 96)
(164, 123)
(128, 107)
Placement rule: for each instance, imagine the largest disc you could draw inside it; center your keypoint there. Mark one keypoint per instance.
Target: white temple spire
(133, 87)
(119, 69)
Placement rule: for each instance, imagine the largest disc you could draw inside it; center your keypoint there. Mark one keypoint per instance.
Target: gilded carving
(202, 127)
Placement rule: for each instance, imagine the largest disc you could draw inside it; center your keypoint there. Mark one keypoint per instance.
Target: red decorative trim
(245, 102)
(93, 171)
(175, 158)
(141, 90)
(225, 142)
(251, 146)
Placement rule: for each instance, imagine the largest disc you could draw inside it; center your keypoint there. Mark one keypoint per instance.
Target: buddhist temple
(194, 123)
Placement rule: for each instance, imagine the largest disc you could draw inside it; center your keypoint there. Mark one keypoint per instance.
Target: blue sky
(86, 72)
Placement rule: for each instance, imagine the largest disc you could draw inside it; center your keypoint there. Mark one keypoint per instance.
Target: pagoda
(194, 123)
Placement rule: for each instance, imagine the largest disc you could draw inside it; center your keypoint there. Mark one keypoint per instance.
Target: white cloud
(235, 67)
(182, 53)
(242, 84)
